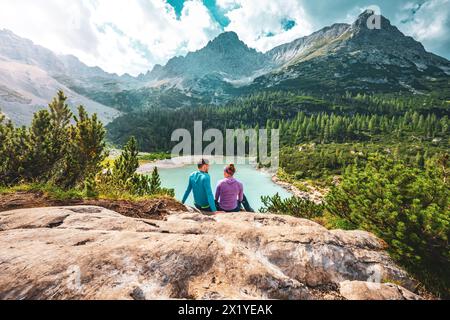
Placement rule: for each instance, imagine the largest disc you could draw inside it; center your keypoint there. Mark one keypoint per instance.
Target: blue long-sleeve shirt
(200, 185)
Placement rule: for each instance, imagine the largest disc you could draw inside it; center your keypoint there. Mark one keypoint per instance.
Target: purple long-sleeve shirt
(228, 193)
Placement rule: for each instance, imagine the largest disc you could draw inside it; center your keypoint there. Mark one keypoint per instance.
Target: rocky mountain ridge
(30, 76)
(335, 60)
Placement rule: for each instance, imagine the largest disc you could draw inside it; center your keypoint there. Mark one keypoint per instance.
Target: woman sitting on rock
(230, 192)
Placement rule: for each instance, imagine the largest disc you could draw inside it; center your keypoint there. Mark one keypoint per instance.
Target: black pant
(247, 205)
(244, 204)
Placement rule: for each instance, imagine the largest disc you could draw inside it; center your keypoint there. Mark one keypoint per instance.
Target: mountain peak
(225, 57)
(228, 35)
(374, 29)
(371, 20)
(366, 13)
(228, 40)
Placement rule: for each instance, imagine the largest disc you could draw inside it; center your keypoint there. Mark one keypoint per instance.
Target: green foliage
(294, 206)
(326, 128)
(60, 116)
(322, 162)
(46, 189)
(139, 185)
(58, 193)
(85, 150)
(123, 177)
(301, 119)
(52, 149)
(125, 166)
(67, 157)
(155, 181)
(393, 104)
(154, 156)
(14, 151)
(153, 127)
(90, 188)
(41, 146)
(405, 206)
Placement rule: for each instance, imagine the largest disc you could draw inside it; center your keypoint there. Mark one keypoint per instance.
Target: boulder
(358, 290)
(89, 252)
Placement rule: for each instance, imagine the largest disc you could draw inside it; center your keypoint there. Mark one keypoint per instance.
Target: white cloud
(132, 35)
(53, 22)
(428, 23)
(119, 36)
(259, 23)
(227, 4)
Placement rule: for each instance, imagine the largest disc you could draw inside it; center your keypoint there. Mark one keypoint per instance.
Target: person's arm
(241, 192)
(218, 192)
(188, 192)
(209, 194)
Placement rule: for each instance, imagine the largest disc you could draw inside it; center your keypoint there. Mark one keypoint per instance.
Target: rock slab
(89, 252)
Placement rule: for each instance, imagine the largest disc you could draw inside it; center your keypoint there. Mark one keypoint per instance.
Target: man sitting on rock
(200, 185)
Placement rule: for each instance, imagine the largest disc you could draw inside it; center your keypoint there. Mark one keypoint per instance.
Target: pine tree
(60, 116)
(155, 182)
(406, 207)
(85, 149)
(15, 155)
(40, 162)
(6, 133)
(419, 160)
(126, 165)
(60, 112)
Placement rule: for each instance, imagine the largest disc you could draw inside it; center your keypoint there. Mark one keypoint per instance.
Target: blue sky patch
(217, 14)
(178, 6)
(288, 24)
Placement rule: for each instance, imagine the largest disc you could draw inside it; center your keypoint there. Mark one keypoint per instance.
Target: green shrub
(406, 207)
(122, 177)
(52, 150)
(155, 181)
(64, 158)
(90, 188)
(154, 156)
(293, 206)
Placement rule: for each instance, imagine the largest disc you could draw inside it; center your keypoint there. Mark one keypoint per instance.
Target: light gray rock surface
(93, 253)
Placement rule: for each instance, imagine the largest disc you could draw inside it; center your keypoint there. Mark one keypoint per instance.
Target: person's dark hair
(230, 169)
(202, 162)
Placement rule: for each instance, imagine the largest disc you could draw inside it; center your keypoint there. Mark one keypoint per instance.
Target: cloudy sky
(131, 36)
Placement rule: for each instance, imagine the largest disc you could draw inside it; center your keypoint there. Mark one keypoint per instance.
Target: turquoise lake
(256, 183)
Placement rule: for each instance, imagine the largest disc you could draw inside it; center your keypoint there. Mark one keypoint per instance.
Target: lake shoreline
(180, 162)
(313, 195)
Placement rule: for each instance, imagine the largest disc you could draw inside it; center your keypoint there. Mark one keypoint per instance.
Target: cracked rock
(94, 253)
